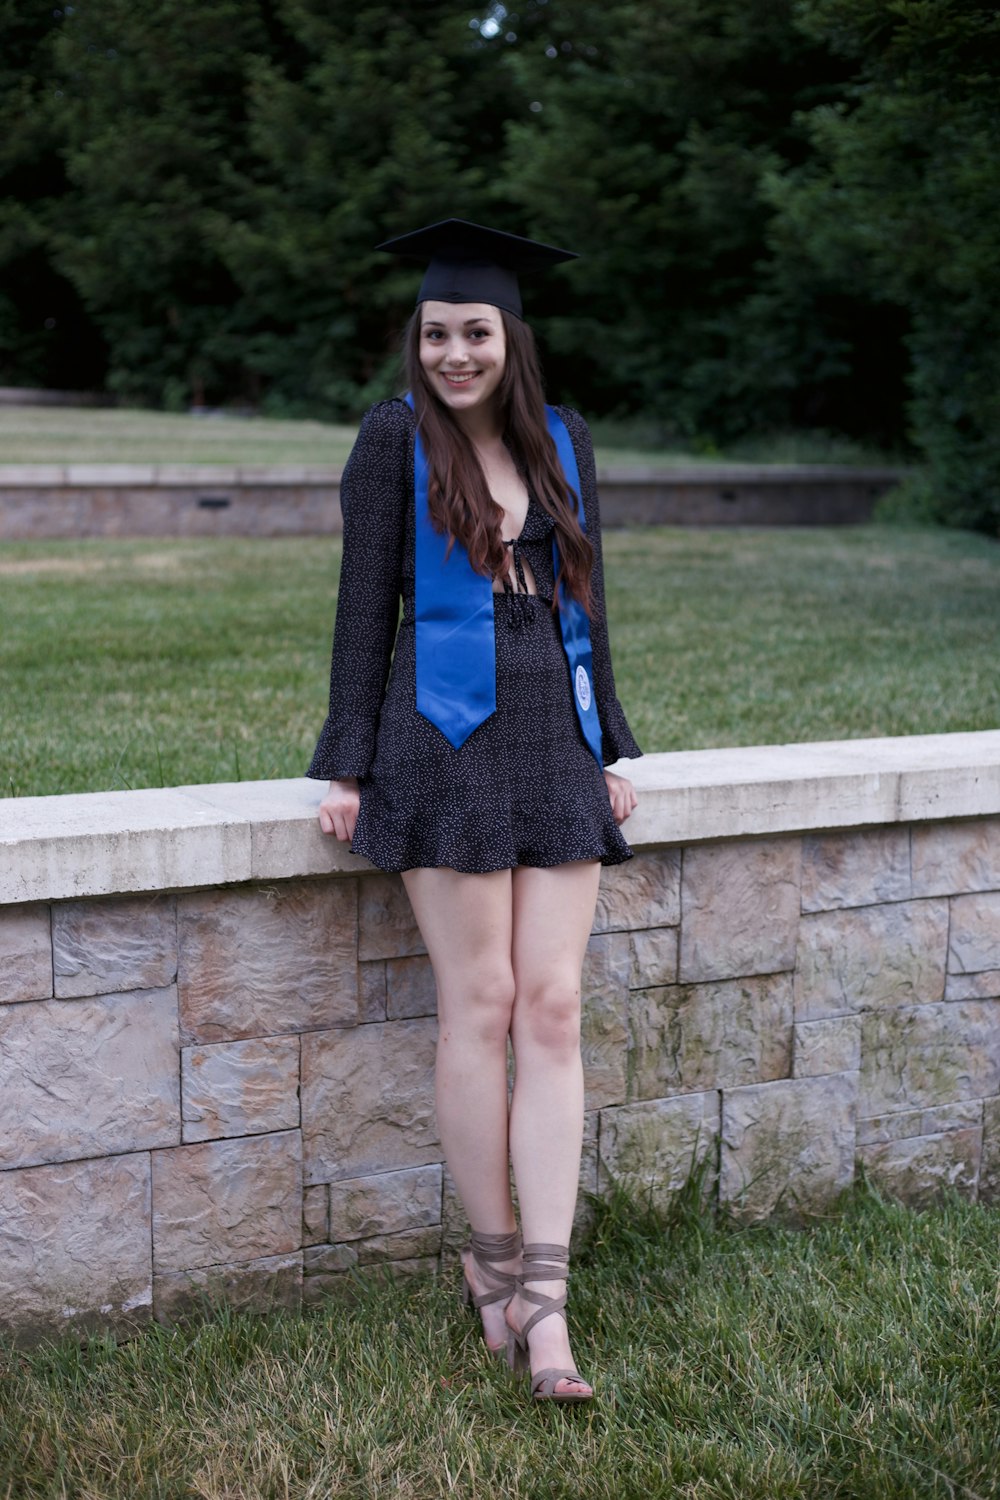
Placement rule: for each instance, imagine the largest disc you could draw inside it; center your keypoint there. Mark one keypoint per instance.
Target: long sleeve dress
(524, 788)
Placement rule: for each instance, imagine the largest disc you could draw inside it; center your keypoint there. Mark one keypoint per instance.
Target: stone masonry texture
(226, 1095)
(25, 953)
(741, 906)
(260, 960)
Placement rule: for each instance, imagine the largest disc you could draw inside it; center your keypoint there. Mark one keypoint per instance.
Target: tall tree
(45, 336)
(901, 198)
(648, 139)
(393, 119)
(152, 111)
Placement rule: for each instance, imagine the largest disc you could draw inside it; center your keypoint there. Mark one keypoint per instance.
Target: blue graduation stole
(455, 643)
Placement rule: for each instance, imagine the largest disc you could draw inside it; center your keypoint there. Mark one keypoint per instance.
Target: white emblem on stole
(583, 688)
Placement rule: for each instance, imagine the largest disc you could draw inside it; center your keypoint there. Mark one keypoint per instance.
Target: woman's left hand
(622, 795)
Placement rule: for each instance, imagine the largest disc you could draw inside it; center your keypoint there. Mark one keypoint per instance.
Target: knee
(482, 1009)
(548, 1016)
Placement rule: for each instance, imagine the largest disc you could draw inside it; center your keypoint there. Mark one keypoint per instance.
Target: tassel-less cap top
(471, 263)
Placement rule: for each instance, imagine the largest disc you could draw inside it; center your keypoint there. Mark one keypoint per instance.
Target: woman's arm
(616, 736)
(374, 495)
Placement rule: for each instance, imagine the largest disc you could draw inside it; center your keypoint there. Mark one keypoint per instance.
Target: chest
(508, 491)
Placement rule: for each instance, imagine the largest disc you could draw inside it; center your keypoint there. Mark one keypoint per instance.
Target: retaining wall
(217, 1033)
(145, 500)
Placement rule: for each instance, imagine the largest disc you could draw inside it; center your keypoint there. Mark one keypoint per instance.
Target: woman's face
(463, 349)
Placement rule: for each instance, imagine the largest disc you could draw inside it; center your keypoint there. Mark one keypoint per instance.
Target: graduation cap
(471, 263)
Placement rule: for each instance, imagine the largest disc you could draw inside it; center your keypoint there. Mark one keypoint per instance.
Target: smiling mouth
(463, 379)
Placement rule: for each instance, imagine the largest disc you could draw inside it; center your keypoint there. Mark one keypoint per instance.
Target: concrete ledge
(39, 501)
(185, 837)
(127, 476)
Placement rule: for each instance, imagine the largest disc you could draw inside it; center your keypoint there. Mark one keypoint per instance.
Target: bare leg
(553, 916)
(466, 922)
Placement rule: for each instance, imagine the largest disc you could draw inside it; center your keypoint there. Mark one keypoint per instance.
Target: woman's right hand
(338, 811)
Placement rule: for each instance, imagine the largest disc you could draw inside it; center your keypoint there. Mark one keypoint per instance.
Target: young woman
(466, 749)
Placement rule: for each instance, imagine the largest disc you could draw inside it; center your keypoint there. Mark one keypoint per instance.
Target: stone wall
(166, 500)
(217, 1027)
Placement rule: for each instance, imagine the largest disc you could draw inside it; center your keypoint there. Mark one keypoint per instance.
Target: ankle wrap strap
(486, 1250)
(495, 1246)
(544, 1263)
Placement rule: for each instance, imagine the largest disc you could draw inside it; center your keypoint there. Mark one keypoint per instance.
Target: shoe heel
(517, 1355)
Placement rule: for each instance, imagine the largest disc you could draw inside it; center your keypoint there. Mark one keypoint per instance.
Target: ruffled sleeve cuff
(617, 739)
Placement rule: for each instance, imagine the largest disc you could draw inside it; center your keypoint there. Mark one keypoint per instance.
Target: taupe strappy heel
(542, 1263)
(485, 1250)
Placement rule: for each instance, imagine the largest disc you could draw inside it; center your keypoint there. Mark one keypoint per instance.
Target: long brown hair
(458, 499)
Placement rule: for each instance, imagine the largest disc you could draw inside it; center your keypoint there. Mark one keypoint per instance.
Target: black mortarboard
(470, 263)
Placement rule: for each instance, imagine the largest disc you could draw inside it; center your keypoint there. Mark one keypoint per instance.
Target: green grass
(857, 1359)
(167, 662)
(65, 435)
(80, 435)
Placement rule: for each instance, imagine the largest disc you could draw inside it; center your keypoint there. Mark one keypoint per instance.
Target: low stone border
(162, 500)
(217, 1027)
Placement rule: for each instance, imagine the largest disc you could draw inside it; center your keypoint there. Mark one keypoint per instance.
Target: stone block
(645, 892)
(409, 988)
(654, 957)
(787, 1145)
(386, 1203)
(99, 947)
(371, 991)
(315, 1214)
(855, 869)
(240, 1088)
(589, 1186)
(741, 909)
(454, 1224)
(917, 1170)
(259, 961)
(368, 1099)
(692, 1037)
(960, 1116)
(75, 1248)
(922, 1056)
(399, 1270)
(408, 1245)
(829, 1046)
(989, 1170)
(604, 993)
(25, 953)
(266, 1285)
(224, 1201)
(329, 1260)
(88, 1077)
(984, 986)
(906, 1123)
(387, 927)
(949, 858)
(650, 1149)
(872, 956)
(974, 944)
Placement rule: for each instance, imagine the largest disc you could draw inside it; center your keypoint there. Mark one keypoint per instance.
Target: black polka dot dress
(524, 788)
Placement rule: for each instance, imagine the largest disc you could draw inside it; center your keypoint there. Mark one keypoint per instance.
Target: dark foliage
(788, 209)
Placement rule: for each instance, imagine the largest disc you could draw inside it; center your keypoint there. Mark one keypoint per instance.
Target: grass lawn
(65, 435)
(157, 663)
(857, 1359)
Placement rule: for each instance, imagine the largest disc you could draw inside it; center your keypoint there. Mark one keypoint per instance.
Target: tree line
(788, 211)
